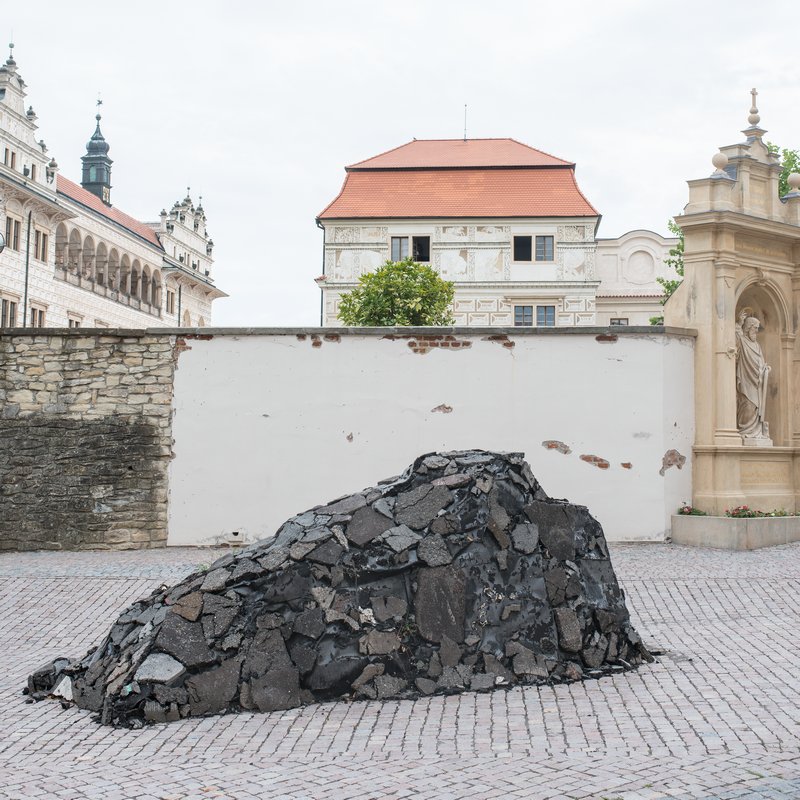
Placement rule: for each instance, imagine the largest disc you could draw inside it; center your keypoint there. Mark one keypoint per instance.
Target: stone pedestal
(727, 533)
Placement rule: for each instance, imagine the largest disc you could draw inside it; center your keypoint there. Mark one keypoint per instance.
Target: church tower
(97, 166)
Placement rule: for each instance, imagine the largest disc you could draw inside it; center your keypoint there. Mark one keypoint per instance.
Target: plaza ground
(717, 715)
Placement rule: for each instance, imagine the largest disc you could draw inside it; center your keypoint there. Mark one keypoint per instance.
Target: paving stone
(709, 727)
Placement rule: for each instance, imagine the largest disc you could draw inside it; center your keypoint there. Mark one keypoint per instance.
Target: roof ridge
(384, 153)
(543, 152)
(365, 163)
(78, 194)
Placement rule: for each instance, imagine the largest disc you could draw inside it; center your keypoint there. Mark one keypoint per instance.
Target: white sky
(258, 106)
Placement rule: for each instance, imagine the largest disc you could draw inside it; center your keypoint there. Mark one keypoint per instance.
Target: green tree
(790, 162)
(399, 293)
(674, 260)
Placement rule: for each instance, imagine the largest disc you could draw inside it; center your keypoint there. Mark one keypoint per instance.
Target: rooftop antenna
(465, 122)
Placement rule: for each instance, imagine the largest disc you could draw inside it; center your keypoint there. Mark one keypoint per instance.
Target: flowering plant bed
(745, 512)
(691, 511)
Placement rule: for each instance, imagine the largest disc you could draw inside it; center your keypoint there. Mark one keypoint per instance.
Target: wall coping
(587, 330)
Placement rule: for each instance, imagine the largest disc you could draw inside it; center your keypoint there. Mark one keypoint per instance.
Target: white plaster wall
(266, 426)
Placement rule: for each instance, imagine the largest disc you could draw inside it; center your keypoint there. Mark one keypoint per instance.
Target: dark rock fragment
(276, 690)
(328, 553)
(433, 551)
(419, 506)
(569, 630)
(189, 606)
(211, 691)
(386, 608)
(440, 603)
(185, 641)
(310, 623)
(366, 525)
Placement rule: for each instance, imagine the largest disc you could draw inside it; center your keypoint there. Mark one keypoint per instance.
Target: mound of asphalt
(461, 574)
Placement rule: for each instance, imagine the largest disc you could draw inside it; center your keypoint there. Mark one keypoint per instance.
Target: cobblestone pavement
(716, 717)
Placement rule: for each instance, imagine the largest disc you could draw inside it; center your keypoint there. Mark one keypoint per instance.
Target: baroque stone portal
(752, 377)
(459, 574)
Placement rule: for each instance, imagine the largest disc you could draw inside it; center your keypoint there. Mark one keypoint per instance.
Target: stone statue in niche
(752, 377)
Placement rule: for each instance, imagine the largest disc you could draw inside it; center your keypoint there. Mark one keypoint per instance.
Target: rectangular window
(33, 172)
(545, 316)
(170, 302)
(399, 248)
(73, 321)
(13, 227)
(40, 240)
(37, 317)
(523, 316)
(522, 248)
(421, 246)
(619, 320)
(13, 160)
(544, 248)
(7, 157)
(8, 313)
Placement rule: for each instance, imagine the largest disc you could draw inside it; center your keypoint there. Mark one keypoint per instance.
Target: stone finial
(794, 182)
(720, 161)
(754, 117)
(10, 65)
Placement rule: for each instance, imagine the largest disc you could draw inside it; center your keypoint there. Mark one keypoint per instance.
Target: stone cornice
(739, 222)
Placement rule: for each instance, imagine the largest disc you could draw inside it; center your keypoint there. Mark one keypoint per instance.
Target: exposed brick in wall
(85, 440)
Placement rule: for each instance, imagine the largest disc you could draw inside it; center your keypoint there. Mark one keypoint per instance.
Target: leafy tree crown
(790, 162)
(398, 293)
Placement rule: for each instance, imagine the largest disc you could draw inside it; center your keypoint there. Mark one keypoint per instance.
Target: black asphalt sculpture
(461, 574)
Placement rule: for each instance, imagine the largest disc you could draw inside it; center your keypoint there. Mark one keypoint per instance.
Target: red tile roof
(460, 153)
(460, 193)
(94, 203)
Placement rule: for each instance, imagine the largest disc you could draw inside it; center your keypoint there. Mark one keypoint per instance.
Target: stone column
(724, 333)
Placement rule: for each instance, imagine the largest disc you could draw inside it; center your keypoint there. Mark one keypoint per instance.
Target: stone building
(72, 259)
(505, 222)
